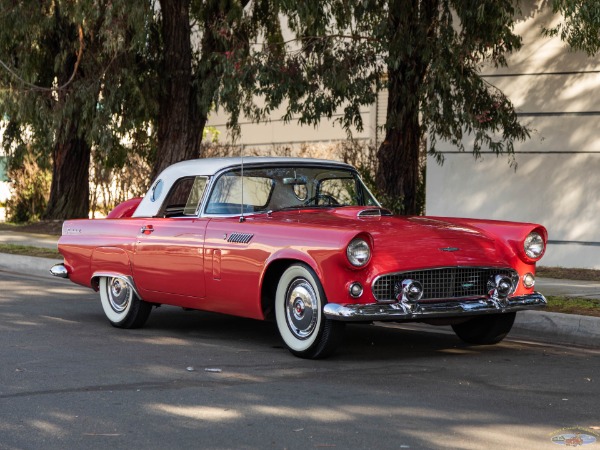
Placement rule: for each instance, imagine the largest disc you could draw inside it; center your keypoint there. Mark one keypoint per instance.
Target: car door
(169, 251)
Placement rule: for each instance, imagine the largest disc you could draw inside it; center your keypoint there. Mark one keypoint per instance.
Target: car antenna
(242, 219)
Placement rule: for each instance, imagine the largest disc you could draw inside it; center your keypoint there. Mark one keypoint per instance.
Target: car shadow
(361, 341)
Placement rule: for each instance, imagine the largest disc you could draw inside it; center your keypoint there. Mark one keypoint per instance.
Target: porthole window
(157, 190)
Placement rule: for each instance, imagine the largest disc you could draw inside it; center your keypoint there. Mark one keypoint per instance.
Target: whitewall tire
(299, 302)
(121, 305)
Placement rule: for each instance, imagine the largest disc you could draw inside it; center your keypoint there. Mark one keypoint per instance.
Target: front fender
(291, 254)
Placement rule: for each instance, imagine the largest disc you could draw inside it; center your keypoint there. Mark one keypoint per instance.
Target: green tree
(428, 54)
(96, 73)
(580, 27)
(196, 38)
(71, 74)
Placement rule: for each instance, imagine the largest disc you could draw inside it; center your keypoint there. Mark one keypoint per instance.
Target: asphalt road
(69, 380)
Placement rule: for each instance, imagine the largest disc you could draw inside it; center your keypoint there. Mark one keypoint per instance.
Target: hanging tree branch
(51, 89)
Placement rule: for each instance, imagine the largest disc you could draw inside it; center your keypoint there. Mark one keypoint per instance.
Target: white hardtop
(211, 166)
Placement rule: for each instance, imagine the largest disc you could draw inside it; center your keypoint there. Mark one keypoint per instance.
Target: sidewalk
(541, 326)
(30, 239)
(569, 288)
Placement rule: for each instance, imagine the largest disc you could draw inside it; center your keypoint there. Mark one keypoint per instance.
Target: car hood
(417, 242)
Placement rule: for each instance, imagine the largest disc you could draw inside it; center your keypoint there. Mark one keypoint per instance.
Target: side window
(184, 197)
(195, 196)
(226, 197)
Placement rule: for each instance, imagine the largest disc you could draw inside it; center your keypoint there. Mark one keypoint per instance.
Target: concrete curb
(557, 328)
(27, 265)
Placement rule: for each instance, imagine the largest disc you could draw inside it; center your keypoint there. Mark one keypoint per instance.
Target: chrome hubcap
(119, 294)
(301, 308)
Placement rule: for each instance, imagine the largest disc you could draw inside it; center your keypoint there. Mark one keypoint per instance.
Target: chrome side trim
(59, 270)
(420, 311)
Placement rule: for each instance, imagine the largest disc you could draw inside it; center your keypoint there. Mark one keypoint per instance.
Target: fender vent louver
(377, 212)
(240, 238)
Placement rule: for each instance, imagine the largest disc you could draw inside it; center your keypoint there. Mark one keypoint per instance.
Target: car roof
(211, 166)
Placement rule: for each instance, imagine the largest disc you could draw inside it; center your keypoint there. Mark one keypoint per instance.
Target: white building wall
(557, 180)
(277, 133)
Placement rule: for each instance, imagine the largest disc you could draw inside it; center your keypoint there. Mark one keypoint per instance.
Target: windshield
(273, 189)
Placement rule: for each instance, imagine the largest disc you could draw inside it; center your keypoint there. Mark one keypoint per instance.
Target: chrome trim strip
(59, 270)
(421, 311)
(126, 278)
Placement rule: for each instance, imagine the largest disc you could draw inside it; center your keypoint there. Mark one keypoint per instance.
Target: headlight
(358, 252)
(534, 245)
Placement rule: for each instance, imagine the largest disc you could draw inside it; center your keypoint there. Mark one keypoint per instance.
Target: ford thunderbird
(304, 243)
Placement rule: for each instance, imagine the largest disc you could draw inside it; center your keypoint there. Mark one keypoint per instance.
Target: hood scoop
(374, 212)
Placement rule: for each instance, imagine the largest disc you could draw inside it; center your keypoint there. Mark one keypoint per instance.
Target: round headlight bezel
(534, 245)
(356, 245)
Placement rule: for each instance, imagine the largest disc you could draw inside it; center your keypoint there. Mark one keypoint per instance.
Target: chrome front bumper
(422, 311)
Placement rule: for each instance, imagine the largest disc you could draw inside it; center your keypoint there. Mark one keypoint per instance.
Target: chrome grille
(445, 283)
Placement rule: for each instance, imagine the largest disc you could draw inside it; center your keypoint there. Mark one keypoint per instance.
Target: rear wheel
(485, 330)
(122, 307)
(299, 302)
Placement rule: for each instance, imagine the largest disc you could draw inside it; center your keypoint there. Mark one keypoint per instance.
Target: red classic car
(305, 243)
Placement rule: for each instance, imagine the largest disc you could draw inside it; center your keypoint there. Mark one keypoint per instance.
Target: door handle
(147, 229)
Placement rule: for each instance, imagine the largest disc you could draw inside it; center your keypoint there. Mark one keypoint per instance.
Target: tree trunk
(179, 125)
(70, 189)
(398, 171)
(398, 156)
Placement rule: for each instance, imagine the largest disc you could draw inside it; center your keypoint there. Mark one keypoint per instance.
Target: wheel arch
(111, 262)
(273, 272)
(95, 281)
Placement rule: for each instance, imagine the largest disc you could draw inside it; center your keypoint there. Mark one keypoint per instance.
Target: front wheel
(299, 302)
(485, 330)
(122, 307)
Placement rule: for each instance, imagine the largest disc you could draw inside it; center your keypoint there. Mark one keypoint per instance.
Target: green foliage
(428, 54)
(574, 305)
(581, 25)
(30, 184)
(99, 65)
(28, 171)
(320, 69)
(78, 70)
